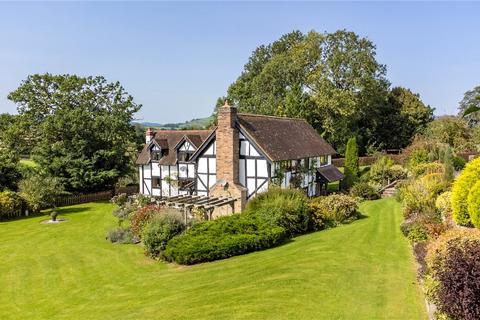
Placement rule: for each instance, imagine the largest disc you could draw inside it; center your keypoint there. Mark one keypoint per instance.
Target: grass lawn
(363, 270)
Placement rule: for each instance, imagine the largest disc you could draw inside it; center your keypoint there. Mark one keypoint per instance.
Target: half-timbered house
(239, 158)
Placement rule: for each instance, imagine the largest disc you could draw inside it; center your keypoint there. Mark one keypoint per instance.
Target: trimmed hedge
(223, 238)
(460, 190)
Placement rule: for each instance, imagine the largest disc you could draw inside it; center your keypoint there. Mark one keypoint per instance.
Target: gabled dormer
(158, 149)
(185, 148)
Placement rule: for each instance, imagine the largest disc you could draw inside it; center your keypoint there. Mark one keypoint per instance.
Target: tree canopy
(80, 128)
(332, 80)
(470, 105)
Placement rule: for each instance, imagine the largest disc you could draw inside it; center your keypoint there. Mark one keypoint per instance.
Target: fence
(368, 160)
(97, 196)
(73, 199)
(397, 158)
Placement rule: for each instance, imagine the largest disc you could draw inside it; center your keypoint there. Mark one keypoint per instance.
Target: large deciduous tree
(404, 116)
(333, 80)
(470, 105)
(81, 128)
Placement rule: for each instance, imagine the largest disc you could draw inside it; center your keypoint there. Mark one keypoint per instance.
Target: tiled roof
(284, 138)
(168, 139)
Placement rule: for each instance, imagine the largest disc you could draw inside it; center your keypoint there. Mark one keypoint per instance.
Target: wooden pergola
(188, 202)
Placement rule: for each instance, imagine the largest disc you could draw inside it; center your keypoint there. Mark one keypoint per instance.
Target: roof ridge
(268, 116)
(184, 131)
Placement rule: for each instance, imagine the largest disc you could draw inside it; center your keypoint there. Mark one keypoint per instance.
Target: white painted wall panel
(164, 170)
(147, 172)
(191, 171)
(202, 165)
(210, 150)
(156, 192)
(254, 152)
(244, 148)
(250, 167)
(140, 178)
(264, 187)
(200, 185)
(242, 172)
(155, 170)
(182, 170)
(212, 180)
(250, 185)
(262, 169)
(212, 165)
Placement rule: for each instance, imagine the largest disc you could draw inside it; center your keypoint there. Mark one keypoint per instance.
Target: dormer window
(184, 156)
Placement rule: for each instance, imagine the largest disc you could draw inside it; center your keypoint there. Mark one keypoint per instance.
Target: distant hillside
(199, 123)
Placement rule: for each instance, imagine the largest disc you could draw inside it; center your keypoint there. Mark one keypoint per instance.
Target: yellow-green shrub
(444, 204)
(473, 202)
(10, 204)
(427, 168)
(460, 190)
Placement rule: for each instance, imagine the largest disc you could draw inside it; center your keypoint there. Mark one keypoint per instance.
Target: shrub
(473, 201)
(416, 157)
(160, 230)
(422, 228)
(419, 195)
(142, 216)
(459, 163)
(335, 208)
(10, 204)
(454, 273)
(444, 204)
(460, 190)
(120, 199)
(40, 191)
(384, 171)
(120, 235)
(287, 208)
(351, 169)
(364, 191)
(417, 233)
(223, 238)
(427, 168)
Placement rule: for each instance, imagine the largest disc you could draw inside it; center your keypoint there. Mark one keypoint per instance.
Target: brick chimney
(149, 135)
(228, 145)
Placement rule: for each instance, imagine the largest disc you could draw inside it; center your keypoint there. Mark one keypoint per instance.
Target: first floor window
(156, 182)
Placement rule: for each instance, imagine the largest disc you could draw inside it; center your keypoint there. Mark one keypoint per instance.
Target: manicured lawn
(68, 271)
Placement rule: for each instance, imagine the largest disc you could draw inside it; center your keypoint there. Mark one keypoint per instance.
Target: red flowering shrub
(142, 216)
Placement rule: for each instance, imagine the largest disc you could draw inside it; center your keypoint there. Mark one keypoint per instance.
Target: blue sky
(177, 58)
